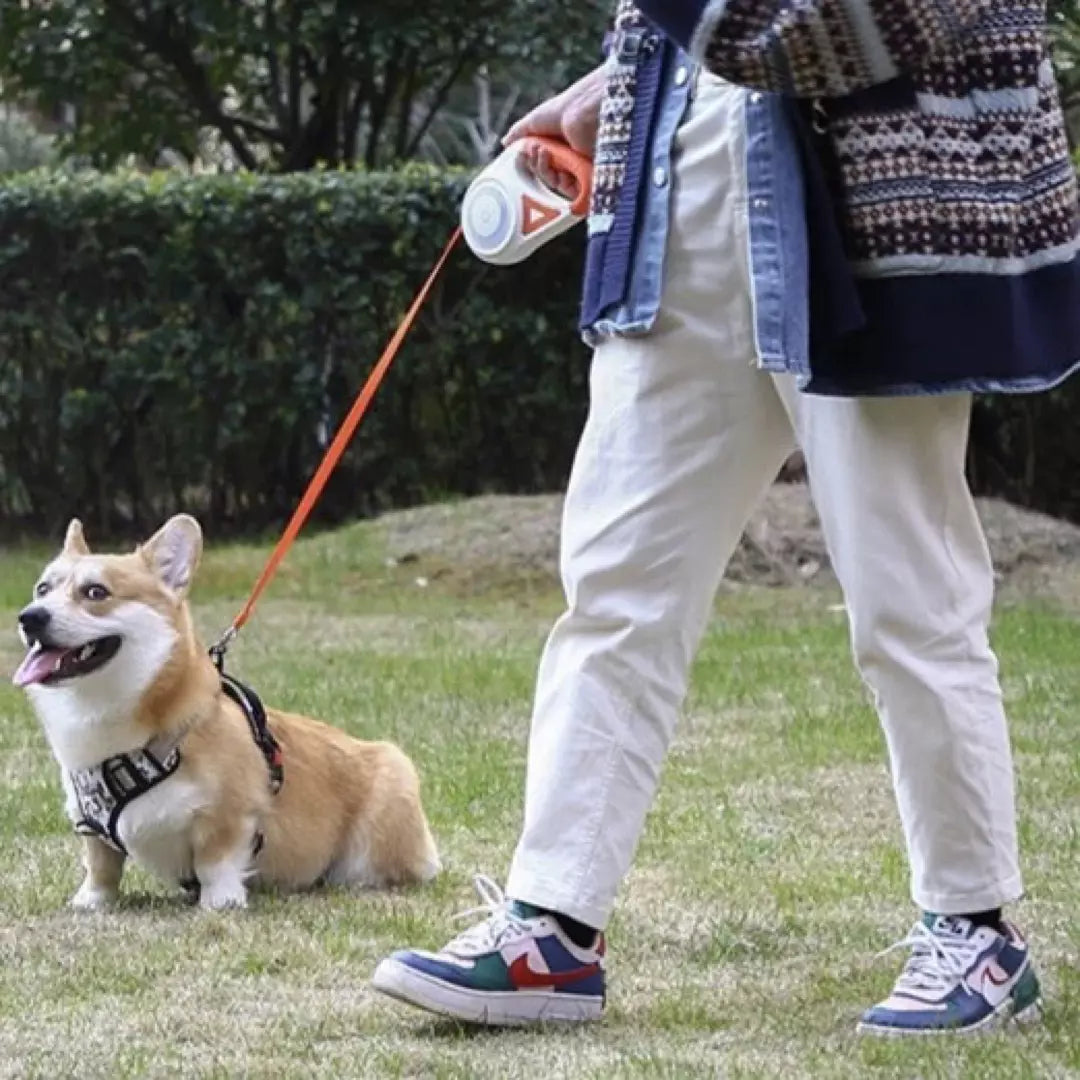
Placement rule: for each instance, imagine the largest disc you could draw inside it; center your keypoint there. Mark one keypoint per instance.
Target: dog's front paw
(92, 897)
(222, 897)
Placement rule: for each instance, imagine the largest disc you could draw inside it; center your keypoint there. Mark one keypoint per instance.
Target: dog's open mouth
(49, 664)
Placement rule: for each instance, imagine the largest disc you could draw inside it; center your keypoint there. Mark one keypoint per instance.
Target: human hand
(572, 117)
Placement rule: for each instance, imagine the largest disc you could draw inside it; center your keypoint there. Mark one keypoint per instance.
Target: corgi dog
(200, 786)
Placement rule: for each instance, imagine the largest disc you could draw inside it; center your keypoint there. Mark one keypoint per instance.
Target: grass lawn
(770, 873)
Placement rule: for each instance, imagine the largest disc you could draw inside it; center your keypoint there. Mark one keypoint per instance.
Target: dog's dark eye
(96, 592)
(41, 588)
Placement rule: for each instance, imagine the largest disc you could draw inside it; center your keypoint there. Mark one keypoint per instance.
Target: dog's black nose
(33, 620)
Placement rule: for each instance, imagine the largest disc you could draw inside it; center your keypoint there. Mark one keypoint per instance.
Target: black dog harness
(103, 792)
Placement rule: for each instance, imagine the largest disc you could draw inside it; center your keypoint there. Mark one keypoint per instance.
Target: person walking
(820, 224)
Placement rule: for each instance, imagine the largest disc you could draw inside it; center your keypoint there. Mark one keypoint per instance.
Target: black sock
(991, 918)
(584, 937)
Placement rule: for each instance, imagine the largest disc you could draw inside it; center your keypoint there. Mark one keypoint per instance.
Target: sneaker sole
(1004, 1016)
(510, 1008)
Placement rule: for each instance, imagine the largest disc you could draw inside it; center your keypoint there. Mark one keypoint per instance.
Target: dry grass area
(783, 544)
(770, 873)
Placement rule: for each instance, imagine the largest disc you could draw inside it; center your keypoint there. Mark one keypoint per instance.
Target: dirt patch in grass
(783, 544)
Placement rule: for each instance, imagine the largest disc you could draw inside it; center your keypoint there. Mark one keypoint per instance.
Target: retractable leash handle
(508, 213)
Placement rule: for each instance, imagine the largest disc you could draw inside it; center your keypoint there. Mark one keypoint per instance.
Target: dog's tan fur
(349, 811)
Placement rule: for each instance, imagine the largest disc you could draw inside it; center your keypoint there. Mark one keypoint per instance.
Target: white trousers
(684, 435)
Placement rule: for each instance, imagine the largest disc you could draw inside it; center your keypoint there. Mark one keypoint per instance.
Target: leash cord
(333, 455)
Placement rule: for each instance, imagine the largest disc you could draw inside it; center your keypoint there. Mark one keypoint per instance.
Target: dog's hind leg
(104, 869)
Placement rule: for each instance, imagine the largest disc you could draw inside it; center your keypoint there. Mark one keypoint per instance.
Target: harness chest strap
(104, 791)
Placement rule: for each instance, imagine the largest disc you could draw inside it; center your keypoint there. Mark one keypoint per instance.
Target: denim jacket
(777, 228)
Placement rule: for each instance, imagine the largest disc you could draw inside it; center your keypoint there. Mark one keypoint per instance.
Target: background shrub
(172, 342)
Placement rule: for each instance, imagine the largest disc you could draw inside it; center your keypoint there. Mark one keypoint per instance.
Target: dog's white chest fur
(156, 828)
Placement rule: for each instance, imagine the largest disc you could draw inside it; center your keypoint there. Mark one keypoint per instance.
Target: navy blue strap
(253, 710)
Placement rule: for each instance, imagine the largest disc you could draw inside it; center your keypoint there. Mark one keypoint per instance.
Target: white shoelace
(500, 925)
(937, 962)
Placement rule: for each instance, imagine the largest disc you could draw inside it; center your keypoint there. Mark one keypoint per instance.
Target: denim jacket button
(659, 176)
(681, 75)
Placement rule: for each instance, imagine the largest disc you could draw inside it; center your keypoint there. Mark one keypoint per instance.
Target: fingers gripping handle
(508, 213)
(578, 165)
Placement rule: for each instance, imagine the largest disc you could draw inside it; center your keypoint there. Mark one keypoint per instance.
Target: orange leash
(333, 454)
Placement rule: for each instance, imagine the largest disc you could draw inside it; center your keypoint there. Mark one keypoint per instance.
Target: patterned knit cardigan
(940, 120)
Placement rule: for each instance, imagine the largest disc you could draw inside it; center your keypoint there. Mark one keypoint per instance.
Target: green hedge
(176, 342)
(171, 342)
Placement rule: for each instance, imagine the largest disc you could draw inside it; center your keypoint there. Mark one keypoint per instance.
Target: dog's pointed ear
(74, 541)
(173, 552)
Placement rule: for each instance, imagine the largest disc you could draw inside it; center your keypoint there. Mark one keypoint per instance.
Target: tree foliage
(22, 146)
(1064, 18)
(278, 84)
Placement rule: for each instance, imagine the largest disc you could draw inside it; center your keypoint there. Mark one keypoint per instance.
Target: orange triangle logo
(535, 214)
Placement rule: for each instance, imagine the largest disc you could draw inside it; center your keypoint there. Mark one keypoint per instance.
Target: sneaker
(959, 978)
(515, 967)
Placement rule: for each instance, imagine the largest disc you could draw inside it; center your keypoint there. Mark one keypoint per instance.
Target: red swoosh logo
(522, 975)
(988, 973)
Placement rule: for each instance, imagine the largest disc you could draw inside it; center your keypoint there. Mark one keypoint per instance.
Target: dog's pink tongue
(37, 665)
